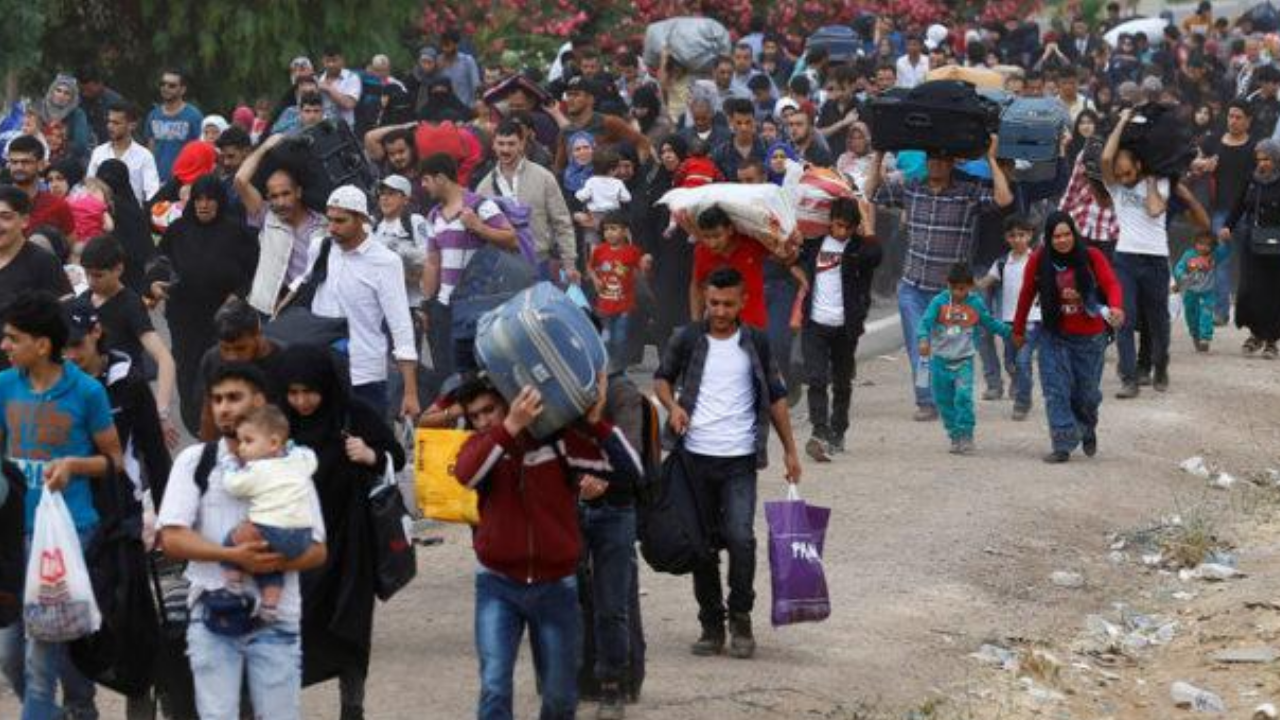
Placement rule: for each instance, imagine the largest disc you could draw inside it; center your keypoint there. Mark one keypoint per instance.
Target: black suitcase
(840, 41)
(1161, 140)
(946, 117)
(322, 158)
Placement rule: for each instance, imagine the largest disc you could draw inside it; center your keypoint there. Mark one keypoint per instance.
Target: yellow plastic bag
(440, 496)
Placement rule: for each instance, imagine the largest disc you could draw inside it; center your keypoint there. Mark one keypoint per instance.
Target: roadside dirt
(930, 556)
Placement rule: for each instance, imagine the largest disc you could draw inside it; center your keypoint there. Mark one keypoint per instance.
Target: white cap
(215, 120)
(935, 36)
(351, 199)
(399, 183)
(783, 105)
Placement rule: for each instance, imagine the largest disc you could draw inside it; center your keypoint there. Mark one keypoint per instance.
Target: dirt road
(928, 556)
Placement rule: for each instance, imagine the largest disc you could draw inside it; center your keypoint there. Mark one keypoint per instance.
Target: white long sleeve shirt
(143, 175)
(366, 286)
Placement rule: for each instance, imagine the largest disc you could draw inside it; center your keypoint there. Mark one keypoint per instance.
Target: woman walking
(1079, 298)
(354, 447)
(1255, 218)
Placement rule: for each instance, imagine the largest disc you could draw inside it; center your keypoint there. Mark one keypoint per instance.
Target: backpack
(650, 454)
(296, 324)
(519, 216)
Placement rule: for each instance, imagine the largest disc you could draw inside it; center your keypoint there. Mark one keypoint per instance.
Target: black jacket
(858, 264)
(133, 408)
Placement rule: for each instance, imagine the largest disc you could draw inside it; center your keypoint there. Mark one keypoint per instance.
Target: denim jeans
(616, 335)
(829, 362)
(1223, 277)
(43, 665)
(1020, 361)
(550, 609)
(1198, 311)
(609, 535)
(374, 395)
(912, 302)
(1071, 378)
(726, 490)
(952, 385)
(1145, 282)
(272, 656)
(779, 296)
(992, 370)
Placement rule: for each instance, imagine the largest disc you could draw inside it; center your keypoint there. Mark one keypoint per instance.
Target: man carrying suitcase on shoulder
(729, 392)
(942, 214)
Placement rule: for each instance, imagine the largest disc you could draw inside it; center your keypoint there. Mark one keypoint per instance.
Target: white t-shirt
(1140, 234)
(828, 290)
(348, 84)
(1015, 269)
(603, 194)
(724, 420)
(216, 514)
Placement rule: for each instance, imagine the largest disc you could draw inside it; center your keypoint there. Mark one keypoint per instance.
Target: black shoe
(1090, 443)
(1128, 391)
(835, 447)
(1057, 457)
(1270, 352)
(742, 644)
(1020, 412)
(1202, 346)
(994, 393)
(1144, 378)
(925, 413)
(1251, 346)
(611, 703)
(711, 642)
(1160, 383)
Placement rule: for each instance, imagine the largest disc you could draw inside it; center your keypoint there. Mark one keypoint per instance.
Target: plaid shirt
(1094, 221)
(940, 226)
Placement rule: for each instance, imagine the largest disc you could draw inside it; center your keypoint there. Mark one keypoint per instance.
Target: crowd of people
(111, 215)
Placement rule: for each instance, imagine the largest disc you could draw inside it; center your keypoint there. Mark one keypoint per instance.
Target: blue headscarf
(790, 152)
(575, 175)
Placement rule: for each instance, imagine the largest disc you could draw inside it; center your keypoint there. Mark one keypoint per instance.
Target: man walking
(172, 123)
(122, 122)
(729, 391)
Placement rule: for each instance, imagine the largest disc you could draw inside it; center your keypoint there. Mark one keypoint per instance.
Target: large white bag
(694, 42)
(765, 212)
(58, 603)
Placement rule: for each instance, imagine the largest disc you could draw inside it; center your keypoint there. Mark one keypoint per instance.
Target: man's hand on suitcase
(524, 410)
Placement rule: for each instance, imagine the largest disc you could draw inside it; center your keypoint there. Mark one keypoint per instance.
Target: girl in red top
(612, 271)
(1081, 302)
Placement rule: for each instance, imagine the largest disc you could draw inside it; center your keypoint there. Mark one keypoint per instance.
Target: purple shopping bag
(797, 533)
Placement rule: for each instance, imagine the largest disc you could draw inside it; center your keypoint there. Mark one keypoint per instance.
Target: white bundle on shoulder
(765, 212)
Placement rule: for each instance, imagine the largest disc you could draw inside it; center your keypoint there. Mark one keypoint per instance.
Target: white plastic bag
(58, 603)
(1175, 307)
(763, 212)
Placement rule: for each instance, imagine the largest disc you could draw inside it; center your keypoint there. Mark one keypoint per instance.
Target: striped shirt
(941, 226)
(456, 243)
(1095, 221)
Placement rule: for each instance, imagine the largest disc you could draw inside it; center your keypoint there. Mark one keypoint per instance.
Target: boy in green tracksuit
(948, 337)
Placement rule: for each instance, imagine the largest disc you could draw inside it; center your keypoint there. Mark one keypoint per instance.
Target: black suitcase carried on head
(322, 158)
(945, 117)
(1160, 139)
(840, 42)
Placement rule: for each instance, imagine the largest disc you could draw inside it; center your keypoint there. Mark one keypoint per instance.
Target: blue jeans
(272, 656)
(1222, 273)
(779, 296)
(1071, 377)
(289, 542)
(550, 610)
(44, 664)
(609, 535)
(726, 490)
(912, 302)
(952, 385)
(374, 395)
(1145, 282)
(1020, 361)
(616, 331)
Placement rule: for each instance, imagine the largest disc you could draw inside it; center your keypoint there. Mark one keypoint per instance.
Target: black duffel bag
(671, 526)
(942, 117)
(1161, 140)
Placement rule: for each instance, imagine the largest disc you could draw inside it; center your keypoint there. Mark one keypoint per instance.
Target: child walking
(1007, 276)
(1196, 279)
(838, 270)
(612, 272)
(948, 337)
(275, 477)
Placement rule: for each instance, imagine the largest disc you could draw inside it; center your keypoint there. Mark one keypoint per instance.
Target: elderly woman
(1079, 297)
(857, 160)
(1255, 219)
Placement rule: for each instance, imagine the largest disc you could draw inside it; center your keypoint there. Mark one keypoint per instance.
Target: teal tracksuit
(952, 331)
(1197, 278)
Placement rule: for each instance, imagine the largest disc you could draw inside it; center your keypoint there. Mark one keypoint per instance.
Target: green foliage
(20, 36)
(234, 50)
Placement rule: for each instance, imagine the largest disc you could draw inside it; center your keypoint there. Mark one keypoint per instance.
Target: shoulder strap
(208, 457)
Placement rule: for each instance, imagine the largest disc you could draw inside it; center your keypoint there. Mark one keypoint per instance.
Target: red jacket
(1078, 323)
(528, 505)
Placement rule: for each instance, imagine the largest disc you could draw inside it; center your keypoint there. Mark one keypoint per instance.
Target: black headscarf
(312, 367)
(442, 104)
(208, 187)
(131, 226)
(646, 96)
(1052, 261)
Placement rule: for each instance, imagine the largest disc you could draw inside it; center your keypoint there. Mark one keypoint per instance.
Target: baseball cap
(428, 52)
(783, 105)
(935, 36)
(580, 83)
(81, 318)
(399, 183)
(349, 198)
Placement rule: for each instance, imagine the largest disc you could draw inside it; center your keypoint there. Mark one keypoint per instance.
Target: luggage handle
(918, 121)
